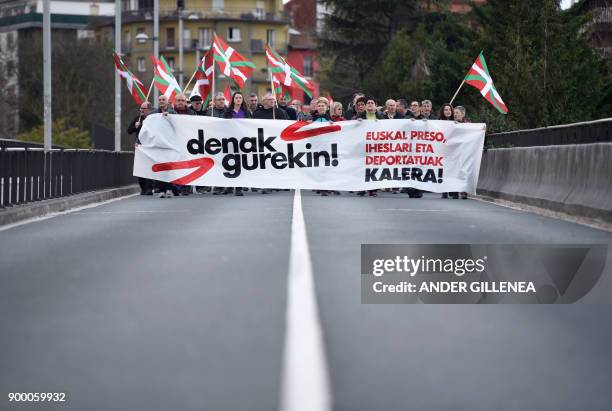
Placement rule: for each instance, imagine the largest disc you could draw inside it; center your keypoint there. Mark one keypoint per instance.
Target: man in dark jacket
(268, 111)
(291, 113)
(391, 110)
(181, 106)
(163, 106)
(197, 106)
(218, 108)
(402, 108)
(426, 112)
(146, 185)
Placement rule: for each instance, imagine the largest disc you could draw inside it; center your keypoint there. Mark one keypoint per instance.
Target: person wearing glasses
(415, 110)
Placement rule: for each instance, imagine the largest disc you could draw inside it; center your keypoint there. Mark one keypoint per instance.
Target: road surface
(181, 304)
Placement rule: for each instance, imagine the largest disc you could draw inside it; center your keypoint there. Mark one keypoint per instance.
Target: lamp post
(142, 38)
(117, 78)
(47, 73)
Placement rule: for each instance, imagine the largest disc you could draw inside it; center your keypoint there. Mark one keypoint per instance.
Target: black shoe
(454, 196)
(444, 195)
(464, 196)
(264, 192)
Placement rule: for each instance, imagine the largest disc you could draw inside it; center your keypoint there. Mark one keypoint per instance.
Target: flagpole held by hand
(150, 88)
(456, 92)
(190, 80)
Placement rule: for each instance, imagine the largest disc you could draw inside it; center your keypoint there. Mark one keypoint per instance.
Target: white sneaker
(161, 194)
(169, 194)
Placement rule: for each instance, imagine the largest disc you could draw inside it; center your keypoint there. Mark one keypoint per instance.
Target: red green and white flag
(287, 76)
(230, 89)
(203, 79)
(137, 89)
(231, 63)
(164, 80)
(281, 90)
(479, 77)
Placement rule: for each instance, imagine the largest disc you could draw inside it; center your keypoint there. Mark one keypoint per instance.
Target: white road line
(305, 379)
(72, 210)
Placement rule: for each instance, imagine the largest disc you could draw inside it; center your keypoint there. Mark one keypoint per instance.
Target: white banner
(437, 156)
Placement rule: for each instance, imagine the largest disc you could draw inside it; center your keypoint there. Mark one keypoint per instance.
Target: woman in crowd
(321, 114)
(446, 113)
(237, 109)
(459, 117)
(337, 111)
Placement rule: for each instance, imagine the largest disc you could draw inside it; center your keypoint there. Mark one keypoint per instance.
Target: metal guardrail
(599, 131)
(32, 174)
(6, 142)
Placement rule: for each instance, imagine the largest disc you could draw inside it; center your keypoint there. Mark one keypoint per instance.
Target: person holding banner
(268, 112)
(426, 112)
(218, 108)
(459, 117)
(337, 111)
(163, 106)
(446, 114)
(390, 112)
(322, 111)
(283, 104)
(146, 185)
(197, 106)
(237, 109)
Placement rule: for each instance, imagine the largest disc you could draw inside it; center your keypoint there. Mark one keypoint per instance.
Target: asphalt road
(180, 304)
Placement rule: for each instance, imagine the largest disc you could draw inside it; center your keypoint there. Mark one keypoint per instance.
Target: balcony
(204, 13)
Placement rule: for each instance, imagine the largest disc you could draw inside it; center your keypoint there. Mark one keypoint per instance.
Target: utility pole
(48, 119)
(155, 42)
(117, 77)
(180, 5)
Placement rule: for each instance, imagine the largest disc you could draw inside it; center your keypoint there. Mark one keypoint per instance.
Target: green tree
(63, 135)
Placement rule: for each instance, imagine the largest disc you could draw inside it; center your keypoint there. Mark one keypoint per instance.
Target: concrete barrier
(575, 179)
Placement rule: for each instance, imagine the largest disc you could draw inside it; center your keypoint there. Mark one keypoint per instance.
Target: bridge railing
(598, 131)
(32, 174)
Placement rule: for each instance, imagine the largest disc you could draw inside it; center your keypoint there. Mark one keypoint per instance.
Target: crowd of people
(320, 109)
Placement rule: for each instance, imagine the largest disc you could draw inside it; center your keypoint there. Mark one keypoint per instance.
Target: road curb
(40, 208)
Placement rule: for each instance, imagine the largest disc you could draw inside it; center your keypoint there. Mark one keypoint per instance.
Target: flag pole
(150, 87)
(212, 96)
(456, 92)
(190, 80)
(272, 91)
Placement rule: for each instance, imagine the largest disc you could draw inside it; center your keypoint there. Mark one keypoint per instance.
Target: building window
(233, 34)
(271, 37)
(127, 41)
(170, 61)
(170, 38)
(205, 37)
(186, 38)
(217, 5)
(145, 4)
(307, 66)
(260, 12)
(141, 65)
